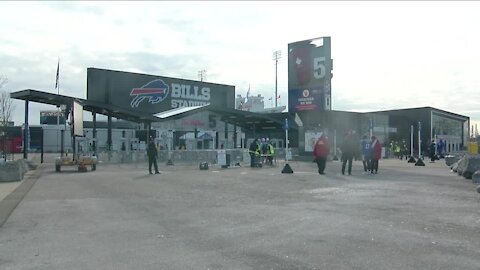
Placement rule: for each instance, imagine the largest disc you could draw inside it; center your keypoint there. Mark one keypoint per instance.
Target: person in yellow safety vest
(397, 151)
(270, 152)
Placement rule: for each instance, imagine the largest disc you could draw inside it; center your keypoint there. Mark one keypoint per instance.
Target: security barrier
(186, 157)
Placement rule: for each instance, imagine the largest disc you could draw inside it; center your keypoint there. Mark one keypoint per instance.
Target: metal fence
(187, 157)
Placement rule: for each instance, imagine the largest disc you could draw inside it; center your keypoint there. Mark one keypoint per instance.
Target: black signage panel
(154, 94)
(309, 75)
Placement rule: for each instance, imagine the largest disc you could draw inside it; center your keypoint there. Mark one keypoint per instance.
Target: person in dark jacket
(320, 152)
(348, 148)
(152, 157)
(431, 151)
(254, 151)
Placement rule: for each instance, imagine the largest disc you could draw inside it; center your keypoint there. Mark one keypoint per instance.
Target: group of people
(265, 148)
(371, 151)
(399, 149)
(261, 147)
(371, 154)
(436, 150)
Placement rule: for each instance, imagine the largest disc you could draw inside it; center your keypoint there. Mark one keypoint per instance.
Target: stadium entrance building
(192, 115)
(177, 113)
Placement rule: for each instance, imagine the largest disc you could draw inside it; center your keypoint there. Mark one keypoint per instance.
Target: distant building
(255, 104)
(51, 117)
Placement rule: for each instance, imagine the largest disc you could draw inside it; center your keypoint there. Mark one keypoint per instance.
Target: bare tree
(6, 103)
(3, 81)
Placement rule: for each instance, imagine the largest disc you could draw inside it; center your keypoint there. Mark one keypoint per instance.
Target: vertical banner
(77, 119)
(309, 75)
(419, 139)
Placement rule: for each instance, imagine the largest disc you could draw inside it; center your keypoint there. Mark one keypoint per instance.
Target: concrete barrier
(476, 177)
(454, 167)
(12, 171)
(449, 160)
(462, 165)
(468, 165)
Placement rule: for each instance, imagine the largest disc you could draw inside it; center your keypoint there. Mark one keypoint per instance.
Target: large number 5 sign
(212, 121)
(319, 67)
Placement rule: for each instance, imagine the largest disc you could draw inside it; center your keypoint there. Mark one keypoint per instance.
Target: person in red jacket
(376, 148)
(320, 152)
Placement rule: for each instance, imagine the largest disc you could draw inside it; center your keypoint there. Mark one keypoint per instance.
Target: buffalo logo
(155, 91)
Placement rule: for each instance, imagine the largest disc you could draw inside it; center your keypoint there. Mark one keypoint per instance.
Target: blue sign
(304, 99)
(286, 124)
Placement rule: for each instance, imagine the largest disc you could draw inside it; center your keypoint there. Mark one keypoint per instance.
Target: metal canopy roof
(240, 118)
(43, 97)
(92, 106)
(244, 119)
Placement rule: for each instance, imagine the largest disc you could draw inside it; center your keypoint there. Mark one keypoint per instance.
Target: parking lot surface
(121, 217)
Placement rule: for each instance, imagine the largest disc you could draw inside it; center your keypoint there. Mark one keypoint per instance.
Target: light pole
(277, 55)
(202, 75)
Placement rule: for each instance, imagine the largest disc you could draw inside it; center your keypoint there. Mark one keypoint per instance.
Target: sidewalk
(7, 188)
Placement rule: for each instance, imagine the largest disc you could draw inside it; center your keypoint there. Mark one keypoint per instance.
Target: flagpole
(276, 56)
(57, 82)
(57, 85)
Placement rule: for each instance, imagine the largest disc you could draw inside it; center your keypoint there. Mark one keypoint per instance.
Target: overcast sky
(387, 55)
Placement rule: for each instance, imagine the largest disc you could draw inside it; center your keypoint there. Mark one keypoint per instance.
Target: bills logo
(154, 92)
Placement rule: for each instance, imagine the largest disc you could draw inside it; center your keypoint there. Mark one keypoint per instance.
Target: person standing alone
(320, 152)
(431, 151)
(152, 154)
(349, 147)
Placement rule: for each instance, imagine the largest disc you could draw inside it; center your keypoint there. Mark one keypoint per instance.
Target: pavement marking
(305, 172)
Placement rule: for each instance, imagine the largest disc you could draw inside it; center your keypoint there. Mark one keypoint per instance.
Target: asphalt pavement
(121, 217)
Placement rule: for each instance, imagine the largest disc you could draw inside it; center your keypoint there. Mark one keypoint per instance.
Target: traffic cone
(287, 169)
(419, 162)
